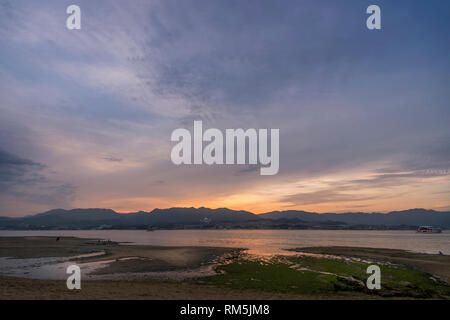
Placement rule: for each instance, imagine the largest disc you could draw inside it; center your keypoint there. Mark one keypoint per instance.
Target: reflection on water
(262, 243)
(265, 242)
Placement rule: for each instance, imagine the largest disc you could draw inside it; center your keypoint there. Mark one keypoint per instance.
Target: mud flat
(123, 262)
(113, 257)
(32, 289)
(146, 272)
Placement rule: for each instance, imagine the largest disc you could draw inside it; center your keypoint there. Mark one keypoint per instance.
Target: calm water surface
(265, 242)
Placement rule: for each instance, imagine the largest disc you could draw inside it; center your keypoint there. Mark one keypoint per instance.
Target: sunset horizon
(89, 122)
(248, 210)
(251, 152)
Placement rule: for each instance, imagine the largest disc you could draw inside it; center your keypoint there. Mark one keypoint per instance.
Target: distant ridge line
(223, 218)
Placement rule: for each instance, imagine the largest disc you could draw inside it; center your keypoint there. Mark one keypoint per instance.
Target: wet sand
(121, 258)
(32, 289)
(127, 261)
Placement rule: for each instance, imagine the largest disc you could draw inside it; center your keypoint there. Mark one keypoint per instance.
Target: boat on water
(429, 229)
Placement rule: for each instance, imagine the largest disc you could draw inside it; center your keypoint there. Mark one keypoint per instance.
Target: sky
(86, 115)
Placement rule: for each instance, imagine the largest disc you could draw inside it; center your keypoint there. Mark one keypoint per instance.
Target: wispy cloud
(368, 111)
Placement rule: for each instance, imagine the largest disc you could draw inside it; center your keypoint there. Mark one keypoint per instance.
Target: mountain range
(205, 218)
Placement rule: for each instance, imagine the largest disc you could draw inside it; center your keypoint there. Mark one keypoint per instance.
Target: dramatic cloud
(15, 170)
(363, 115)
(24, 180)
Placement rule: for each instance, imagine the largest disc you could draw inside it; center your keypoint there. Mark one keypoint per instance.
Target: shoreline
(106, 259)
(141, 272)
(263, 242)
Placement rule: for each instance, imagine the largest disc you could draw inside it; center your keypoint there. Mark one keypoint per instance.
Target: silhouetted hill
(90, 218)
(193, 215)
(412, 217)
(199, 218)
